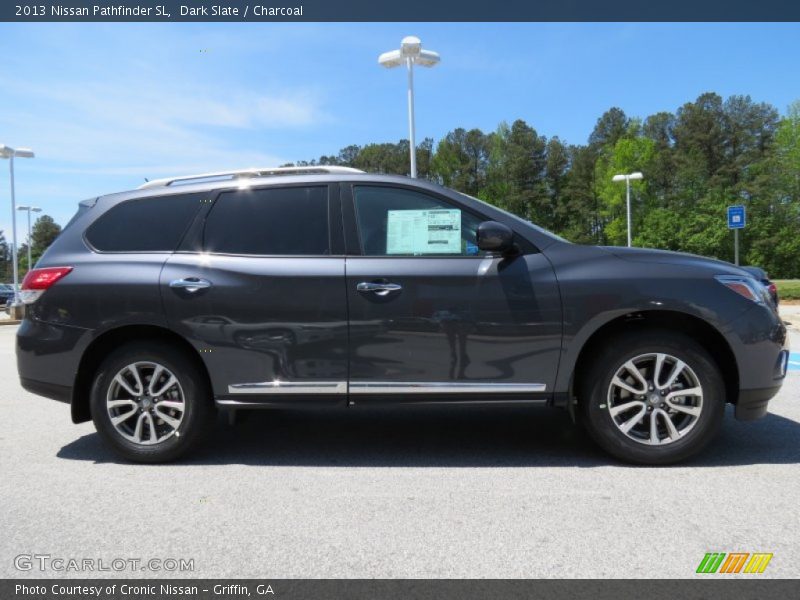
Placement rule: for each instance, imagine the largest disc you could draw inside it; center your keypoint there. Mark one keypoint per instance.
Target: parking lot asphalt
(416, 493)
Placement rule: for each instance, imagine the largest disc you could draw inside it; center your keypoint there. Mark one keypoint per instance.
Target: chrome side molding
(445, 387)
(289, 387)
(383, 387)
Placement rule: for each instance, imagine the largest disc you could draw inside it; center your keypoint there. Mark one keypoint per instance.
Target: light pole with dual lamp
(627, 179)
(11, 154)
(30, 209)
(410, 54)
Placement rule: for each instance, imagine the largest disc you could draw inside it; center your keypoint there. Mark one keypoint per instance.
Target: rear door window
(290, 221)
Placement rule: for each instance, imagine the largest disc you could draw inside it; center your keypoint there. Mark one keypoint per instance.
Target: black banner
(405, 589)
(406, 10)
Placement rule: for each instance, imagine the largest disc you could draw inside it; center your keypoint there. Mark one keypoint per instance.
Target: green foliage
(788, 289)
(709, 154)
(5, 259)
(43, 233)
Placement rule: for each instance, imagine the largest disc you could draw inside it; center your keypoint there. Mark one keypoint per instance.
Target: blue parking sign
(736, 217)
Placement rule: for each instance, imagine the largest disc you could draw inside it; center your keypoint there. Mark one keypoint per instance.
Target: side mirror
(495, 237)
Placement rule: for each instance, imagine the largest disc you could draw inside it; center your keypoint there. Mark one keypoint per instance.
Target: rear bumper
(53, 391)
(48, 356)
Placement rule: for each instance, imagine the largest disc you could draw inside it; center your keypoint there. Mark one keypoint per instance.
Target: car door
(432, 318)
(259, 290)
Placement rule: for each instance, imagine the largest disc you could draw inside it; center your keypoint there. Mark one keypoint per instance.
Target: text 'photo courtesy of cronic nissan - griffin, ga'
(313, 287)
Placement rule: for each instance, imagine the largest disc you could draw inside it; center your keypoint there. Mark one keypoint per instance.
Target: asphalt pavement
(412, 493)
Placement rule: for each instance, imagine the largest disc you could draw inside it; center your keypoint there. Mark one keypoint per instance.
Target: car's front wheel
(150, 402)
(652, 397)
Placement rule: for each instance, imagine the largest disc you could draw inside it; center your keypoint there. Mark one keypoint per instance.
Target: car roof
(249, 173)
(197, 184)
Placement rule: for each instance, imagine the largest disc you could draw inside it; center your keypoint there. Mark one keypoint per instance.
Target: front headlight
(746, 286)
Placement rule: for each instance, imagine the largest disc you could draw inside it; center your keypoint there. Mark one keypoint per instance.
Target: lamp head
(631, 176)
(391, 59)
(427, 58)
(411, 46)
(8, 152)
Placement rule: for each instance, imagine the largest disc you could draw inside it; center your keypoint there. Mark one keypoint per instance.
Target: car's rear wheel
(150, 402)
(652, 397)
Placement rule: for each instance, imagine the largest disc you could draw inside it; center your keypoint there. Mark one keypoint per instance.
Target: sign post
(737, 219)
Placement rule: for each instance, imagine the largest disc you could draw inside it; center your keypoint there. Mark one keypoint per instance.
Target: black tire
(196, 422)
(594, 396)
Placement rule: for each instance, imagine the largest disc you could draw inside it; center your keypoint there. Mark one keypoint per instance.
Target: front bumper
(760, 343)
(752, 404)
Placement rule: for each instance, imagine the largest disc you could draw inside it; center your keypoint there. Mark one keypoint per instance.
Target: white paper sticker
(424, 232)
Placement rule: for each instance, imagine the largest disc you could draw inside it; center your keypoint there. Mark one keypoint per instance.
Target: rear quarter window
(154, 224)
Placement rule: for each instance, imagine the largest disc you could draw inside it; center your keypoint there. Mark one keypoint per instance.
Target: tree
(787, 155)
(609, 128)
(708, 154)
(774, 236)
(526, 158)
(580, 202)
(5, 258)
(661, 171)
(461, 159)
(556, 173)
(629, 154)
(43, 233)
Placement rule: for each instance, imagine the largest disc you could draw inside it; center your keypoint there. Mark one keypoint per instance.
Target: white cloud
(106, 106)
(112, 124)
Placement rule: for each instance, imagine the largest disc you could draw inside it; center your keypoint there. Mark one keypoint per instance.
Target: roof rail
(248, 173)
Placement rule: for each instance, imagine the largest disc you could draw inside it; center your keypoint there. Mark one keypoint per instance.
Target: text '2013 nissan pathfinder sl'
(326, 286)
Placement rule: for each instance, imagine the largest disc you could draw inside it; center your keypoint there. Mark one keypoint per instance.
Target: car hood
(651, 255)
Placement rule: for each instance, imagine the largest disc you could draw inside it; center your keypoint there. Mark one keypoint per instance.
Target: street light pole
(627, 179)
(30, 240)
(410, 54)
(628, 206)
(411, 126)
(10, 154)
(14, 249)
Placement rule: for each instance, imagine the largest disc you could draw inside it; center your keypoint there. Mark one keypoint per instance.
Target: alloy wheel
(655, 399)
(145, 403)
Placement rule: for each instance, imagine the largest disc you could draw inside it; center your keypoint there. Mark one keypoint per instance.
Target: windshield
(520, 219)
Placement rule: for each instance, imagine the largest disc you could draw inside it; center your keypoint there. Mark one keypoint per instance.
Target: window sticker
(423, 232)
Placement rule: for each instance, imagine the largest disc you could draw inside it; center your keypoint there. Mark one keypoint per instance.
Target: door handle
(379, 289)
(190, 284)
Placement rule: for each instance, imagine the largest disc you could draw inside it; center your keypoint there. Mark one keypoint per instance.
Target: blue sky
(106, 105)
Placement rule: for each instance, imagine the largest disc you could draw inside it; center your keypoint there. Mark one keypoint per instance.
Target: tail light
(773, 289)
(38, 281)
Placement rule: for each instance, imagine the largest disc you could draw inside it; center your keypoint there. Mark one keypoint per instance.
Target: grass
(788, 289)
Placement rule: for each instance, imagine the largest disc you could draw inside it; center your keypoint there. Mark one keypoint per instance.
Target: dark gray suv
(316, 287)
